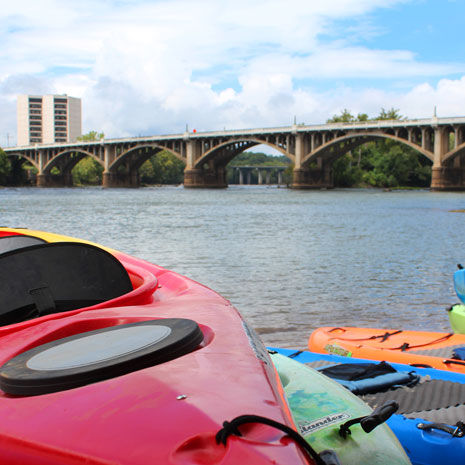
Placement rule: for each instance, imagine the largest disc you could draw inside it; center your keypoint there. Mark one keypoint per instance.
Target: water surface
(290, 261)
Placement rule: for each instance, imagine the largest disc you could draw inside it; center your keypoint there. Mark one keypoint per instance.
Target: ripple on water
(290, 261)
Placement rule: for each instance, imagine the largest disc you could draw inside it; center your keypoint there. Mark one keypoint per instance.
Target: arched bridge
(243, 174)
(311, 149)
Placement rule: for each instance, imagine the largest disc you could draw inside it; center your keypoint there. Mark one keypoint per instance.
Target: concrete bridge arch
(26, 157)
(121, 167)
(206, 163)
(314, 167)
(64, 161)
(316, 152)
(455, 153)
(312, 150)
(340, 145)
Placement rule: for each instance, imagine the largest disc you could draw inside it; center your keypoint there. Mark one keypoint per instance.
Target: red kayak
(108, 359)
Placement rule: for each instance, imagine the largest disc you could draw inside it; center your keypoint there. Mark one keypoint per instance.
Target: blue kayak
(459, 283)
(430, 422)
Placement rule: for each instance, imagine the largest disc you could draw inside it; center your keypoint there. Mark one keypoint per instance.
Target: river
(290, 261)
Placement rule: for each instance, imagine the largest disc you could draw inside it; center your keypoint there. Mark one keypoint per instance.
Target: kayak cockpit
(9, 243)
(48, 278)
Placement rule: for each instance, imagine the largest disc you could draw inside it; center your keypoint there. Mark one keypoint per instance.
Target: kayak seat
(8, 243)
(459, 353)
(434, 400)
(362, 378)
(56, 277)
(429, 395)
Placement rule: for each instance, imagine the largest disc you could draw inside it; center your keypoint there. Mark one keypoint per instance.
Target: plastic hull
(457, 318)
(163, 414)
(320, 406)
(424, 447)
(408, 347)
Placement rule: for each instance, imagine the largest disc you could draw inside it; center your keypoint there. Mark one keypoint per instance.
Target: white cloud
(152, 66)
(448, 97)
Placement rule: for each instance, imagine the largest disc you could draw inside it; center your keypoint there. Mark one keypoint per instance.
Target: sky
(150, 67)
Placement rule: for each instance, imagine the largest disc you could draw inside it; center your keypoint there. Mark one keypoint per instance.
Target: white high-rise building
(48, 118)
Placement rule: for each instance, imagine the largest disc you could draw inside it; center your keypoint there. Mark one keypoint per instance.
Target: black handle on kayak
(451, 307)
(370, 422)
(379, 416)
(457, 431)
(449, 361)
(326, 457)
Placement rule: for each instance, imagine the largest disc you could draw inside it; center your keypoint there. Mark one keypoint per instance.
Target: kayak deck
(441, 403)
(161, 413)
(420, 348)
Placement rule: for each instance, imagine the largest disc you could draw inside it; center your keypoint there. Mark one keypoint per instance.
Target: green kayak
(457, 318)
(320, 406)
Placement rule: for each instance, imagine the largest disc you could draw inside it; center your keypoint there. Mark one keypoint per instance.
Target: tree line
(382, 163)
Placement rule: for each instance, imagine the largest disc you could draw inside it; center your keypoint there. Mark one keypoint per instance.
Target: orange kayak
(416, 348)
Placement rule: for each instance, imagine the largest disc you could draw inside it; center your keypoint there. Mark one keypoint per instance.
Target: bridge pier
(447, 175)
(41, 180)
(448, 179)
(54, 180)
(317, 175)
(211, 178)
(312, 178)
(206, 175)
(110, 179)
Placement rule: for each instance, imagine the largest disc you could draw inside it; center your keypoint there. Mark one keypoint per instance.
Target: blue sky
(147, 67)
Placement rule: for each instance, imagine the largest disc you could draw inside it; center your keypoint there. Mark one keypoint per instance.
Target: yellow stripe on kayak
(52, 237)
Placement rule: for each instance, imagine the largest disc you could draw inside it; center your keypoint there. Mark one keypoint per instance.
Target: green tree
(162, 168)
(5, 168)
(91, 136)
(346, 172)
(345, 117)
(87, 172)
(389, 114)
(382, 163)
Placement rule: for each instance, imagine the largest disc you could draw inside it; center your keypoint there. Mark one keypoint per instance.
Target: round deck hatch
(97, 355)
